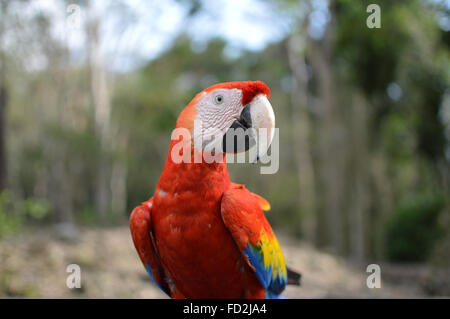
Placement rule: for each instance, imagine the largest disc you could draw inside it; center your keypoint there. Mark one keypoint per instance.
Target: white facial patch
(216, 111)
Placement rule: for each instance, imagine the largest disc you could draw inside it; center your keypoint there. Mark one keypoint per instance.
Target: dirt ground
(34, 265)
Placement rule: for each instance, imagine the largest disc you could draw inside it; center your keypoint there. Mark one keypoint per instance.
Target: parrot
(200, 235)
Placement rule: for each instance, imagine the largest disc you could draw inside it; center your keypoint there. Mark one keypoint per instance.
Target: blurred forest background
(90, 91)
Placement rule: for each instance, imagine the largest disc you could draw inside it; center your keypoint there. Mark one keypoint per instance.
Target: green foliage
(413, 229)
(86, 216)
(14, 214)
(36, 209)
(9, 221)
(54, 148)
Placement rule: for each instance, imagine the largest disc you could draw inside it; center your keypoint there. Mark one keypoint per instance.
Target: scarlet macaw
(200, 235)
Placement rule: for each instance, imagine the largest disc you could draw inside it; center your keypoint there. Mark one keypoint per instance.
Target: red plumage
(180, 232)
(249, 89)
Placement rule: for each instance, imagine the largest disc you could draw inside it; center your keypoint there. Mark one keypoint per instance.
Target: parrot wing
(242, 213)
(141, 232)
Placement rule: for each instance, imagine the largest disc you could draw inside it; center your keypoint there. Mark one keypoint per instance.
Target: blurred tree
(359, 111)
(3, 99)
(413, 229)
(302, 129)
(359, 87)
(102, 112)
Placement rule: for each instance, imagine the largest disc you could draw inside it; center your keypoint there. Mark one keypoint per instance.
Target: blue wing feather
(274, 282)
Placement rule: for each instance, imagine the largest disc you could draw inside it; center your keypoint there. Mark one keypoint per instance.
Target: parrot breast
(196, 250)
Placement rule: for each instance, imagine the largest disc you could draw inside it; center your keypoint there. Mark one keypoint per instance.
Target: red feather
(183, 236)
(250, 89)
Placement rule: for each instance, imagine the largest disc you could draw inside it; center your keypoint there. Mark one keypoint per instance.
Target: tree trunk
(331, 136)
(119, 176)
(360, 173)
(302, 140)
(101, 101)
(3, 106)
(3, 154)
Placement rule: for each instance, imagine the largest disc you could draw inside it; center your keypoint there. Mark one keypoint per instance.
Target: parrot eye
(219, 99)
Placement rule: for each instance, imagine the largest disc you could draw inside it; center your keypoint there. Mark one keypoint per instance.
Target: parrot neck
(190, 172)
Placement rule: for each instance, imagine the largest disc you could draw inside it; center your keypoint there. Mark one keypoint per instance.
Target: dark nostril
(246, 119)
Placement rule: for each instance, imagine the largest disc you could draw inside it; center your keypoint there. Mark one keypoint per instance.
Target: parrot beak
(255, 126)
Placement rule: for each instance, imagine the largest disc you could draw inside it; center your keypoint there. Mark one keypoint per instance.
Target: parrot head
(230, 117)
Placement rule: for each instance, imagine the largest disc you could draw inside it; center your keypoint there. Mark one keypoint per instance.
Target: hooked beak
(255, 126)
